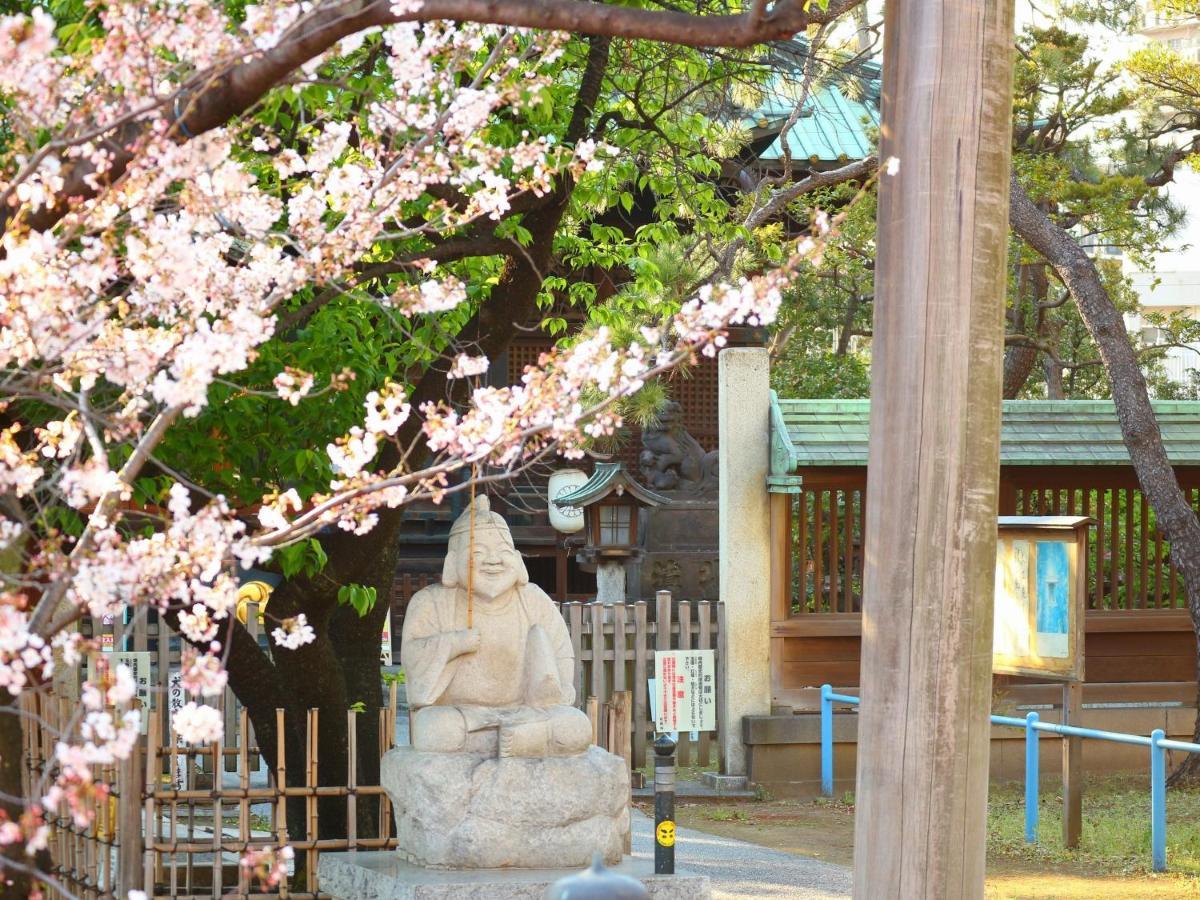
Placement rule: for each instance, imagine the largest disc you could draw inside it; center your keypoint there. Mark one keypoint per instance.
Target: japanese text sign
(686, 687)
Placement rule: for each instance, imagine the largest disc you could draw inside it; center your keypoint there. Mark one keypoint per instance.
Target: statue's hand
(468, 640)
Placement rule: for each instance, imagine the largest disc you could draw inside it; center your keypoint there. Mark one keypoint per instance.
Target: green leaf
(361, 598)
(306, 558)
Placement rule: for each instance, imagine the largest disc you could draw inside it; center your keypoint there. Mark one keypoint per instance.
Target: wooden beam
(934, 450)
(781, 578)
(1095, 621)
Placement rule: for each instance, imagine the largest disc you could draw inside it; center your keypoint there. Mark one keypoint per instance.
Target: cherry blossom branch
(42, 621)
(213, 98)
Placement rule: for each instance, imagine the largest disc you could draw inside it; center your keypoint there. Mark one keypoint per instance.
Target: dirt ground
(825, 830)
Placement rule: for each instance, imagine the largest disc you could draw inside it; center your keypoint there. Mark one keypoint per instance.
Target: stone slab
(687, 789)
(382, 875)
(725, 784)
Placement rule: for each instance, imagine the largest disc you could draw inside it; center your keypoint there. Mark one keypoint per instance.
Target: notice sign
(385, 643)
(1040, 592)
(139, 666)
(685, 683)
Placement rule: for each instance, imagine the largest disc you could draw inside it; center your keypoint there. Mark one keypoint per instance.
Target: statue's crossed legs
(541, 726)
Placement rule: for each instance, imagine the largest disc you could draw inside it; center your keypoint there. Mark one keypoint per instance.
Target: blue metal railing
(1158, 743)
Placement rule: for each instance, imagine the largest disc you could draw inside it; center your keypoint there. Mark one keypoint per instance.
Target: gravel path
(742, 871)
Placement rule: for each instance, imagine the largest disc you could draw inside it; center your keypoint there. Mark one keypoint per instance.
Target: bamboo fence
(198, 810)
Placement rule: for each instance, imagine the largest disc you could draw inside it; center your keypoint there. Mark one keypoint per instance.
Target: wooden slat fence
(1129, 564)
(623, 639)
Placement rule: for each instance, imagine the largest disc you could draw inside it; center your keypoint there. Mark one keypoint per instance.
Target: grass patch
(726, 814)
(1116, 826)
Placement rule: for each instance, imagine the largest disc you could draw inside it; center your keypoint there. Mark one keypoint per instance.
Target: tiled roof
(839, 117)
(1033, 433)
(606, 478)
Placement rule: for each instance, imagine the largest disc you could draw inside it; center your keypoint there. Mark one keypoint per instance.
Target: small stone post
(744, 405)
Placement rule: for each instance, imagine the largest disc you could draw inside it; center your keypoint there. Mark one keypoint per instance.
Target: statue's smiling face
(496, 566)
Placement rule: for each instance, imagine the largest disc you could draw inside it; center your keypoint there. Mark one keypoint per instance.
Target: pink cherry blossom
(196, 724)
(293, 633)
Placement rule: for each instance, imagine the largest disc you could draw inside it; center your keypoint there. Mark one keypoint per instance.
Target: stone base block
(725, 784)
(381, 875)
(461, 811)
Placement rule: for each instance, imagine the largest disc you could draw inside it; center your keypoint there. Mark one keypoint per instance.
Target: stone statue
(673, 460)
(503, 686)
(501, 771)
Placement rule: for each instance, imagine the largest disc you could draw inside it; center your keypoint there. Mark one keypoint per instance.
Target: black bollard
(664, 806)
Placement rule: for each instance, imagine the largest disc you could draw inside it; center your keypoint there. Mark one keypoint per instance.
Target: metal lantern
(597, 883)
(611, 500)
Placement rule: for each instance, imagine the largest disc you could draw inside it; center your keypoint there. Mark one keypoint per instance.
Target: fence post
(826, 740)
(1158, 800)
(1032, 775)
(129, 820)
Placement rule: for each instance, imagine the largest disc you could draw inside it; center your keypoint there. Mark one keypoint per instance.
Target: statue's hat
(484, 519)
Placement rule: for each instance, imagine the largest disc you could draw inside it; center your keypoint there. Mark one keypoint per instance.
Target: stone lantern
(611, 501)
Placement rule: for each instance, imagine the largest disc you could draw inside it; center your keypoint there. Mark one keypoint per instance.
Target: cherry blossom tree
(152, 239)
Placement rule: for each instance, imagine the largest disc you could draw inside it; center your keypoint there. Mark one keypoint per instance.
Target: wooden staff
(471, 549)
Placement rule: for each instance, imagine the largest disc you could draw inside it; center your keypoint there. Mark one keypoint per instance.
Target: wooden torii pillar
(923, 736)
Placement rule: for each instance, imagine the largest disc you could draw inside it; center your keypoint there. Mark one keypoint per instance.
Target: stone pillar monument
(744, 405)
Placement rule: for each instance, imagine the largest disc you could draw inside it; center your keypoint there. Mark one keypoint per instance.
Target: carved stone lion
(673, 460)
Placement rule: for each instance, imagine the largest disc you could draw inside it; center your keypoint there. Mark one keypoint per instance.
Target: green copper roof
(807, 433)
(832, 128)
(840, 114)
(607, 478)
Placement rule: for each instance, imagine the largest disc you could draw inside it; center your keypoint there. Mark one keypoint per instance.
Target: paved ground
(742, 871)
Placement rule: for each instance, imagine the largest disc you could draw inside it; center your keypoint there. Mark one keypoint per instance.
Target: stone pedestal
(610, 582)
(681, 550)
(464, 811)
(380, 875)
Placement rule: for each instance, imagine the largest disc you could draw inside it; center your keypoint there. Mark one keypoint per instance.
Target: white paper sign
(175, 701)
(139, 666)
(385, 643)
(685, 690)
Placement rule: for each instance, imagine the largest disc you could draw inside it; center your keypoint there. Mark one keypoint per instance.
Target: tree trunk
(933, 471)
(1054, 379)
(16, 883)
(1019, 361)
(1174, 514)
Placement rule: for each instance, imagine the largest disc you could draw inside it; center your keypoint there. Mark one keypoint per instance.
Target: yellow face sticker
(665, 833)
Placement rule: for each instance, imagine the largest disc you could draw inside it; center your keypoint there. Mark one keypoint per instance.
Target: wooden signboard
(1041, 574)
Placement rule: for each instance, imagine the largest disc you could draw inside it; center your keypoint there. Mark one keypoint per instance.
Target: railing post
(1158, 801)
(826, 740)
(1032, 775)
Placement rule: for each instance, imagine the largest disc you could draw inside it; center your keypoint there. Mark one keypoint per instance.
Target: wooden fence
(614, 651)
(1129, 564)
(198, 813)
(200, 809)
